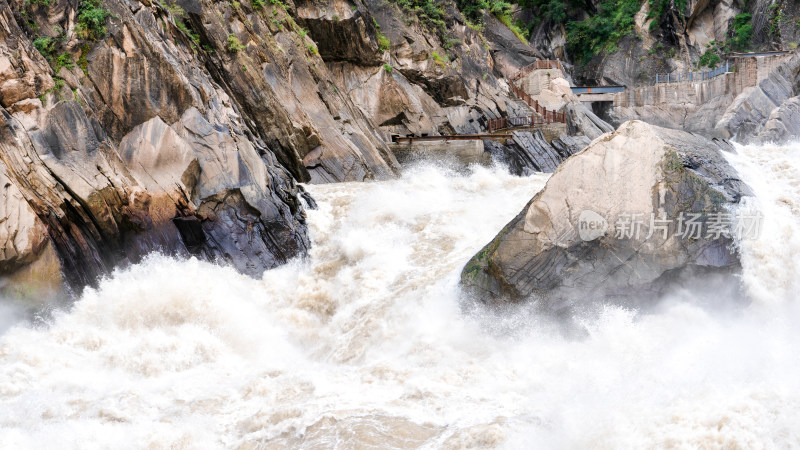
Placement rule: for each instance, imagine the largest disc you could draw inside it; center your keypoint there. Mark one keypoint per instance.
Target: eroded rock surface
(766, 111)
(639, 169)
(184, 126)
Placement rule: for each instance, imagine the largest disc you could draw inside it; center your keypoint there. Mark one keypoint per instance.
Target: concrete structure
(539, 80)
(461, 151)
(749, 73)
(597, 93)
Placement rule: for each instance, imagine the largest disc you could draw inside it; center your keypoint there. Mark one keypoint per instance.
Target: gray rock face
(142, 151)
(582, 121)
(552, 253)
(529, 152)
(183, 127)
(746, 118)
(783, 124)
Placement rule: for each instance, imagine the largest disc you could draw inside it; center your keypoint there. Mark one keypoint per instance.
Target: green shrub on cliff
(474, 11)
(234, 45)
(659, 8)
(383, 42)
(91, 21)
(709, 59)
(46, 46)
(39, 2)
(429, 12)
(742, 32)
(602, 31)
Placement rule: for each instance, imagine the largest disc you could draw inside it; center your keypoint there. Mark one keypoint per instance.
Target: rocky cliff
(627, 42)
(184, 126)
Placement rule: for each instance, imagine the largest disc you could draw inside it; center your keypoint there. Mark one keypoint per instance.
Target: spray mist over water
(365, 342)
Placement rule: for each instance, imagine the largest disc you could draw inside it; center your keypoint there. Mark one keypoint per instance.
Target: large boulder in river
(617, 221)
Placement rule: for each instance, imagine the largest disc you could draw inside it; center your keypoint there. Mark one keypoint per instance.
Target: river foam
(366, 343)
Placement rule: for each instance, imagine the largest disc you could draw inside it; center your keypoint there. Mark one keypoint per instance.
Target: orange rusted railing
(542, 116)
(536, 65)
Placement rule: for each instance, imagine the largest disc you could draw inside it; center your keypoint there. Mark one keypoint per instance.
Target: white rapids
(366, 344)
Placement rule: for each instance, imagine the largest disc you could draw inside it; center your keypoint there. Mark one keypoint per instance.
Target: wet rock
(549, 253)
(783, 124)
(582, 121)
(529, 152)
(164, 135)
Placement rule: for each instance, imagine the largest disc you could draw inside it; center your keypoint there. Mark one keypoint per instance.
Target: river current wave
(367, 342)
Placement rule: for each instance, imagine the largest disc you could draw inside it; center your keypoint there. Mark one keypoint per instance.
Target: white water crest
(366, 344)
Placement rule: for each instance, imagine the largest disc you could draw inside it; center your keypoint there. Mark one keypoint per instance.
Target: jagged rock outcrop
(424, 86)
(183, 126)
(530, 152)
(582, 121)
(577, 240)
(783, 124)
(138, 150)
(765, 111)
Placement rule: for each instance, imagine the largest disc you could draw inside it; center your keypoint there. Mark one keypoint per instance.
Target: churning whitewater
(368, 343)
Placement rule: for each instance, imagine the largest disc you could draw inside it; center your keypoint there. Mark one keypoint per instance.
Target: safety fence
(703, 75)
(526, 121)
(537, 65)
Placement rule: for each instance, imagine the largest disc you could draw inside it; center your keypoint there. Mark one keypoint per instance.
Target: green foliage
(234, 45)
(91, 21)
(83, 63)
(258, 4)
(429, 12)
(46, 46)
(474, 11)
(742, 32)
(77, 97)
(709, 59)
(175, 9)
(475, 26)
(383, 42)
(555, 11)
(440, 60)
(387, 68)
(312, 48)
(656, 48)
(517, 27)
(44, 3)
(602, 31)
(776, 19)
(660, 8)
(64, 60)
(182, 26)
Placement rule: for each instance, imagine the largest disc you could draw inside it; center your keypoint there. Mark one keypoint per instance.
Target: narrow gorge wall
(694, 106)
(184, 126)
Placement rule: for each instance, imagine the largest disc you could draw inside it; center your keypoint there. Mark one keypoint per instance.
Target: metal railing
(537, 65)
(694, 76)
(542, 115)
(597, 89)
(526, 121)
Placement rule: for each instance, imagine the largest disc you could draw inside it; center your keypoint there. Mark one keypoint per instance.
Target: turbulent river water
(366, 343)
